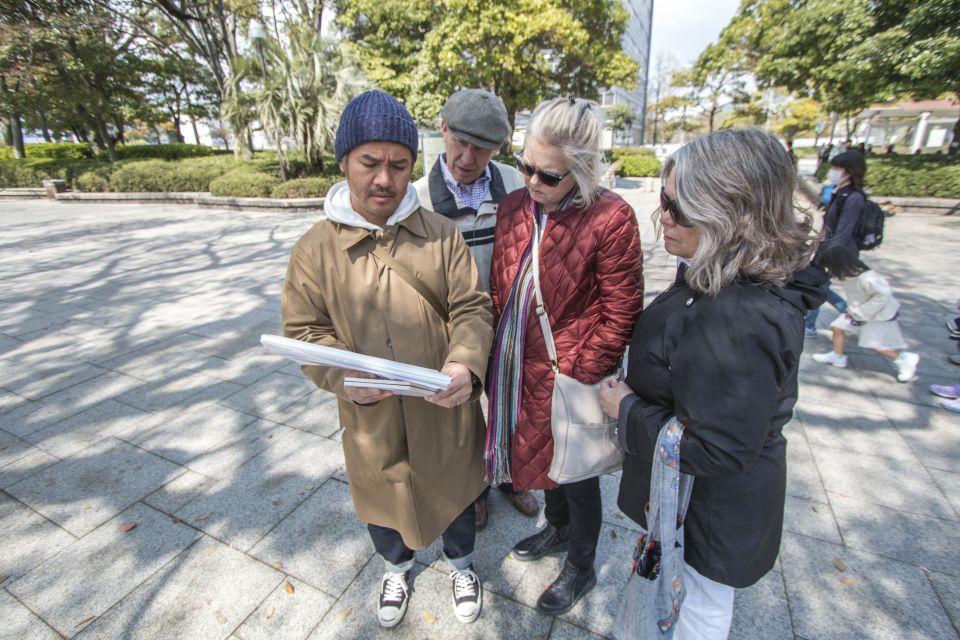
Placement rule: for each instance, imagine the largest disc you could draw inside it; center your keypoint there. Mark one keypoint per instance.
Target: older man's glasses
(673, 209)
(549, 179)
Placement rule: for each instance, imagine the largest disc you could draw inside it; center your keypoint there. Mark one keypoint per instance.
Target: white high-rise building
(636, 44)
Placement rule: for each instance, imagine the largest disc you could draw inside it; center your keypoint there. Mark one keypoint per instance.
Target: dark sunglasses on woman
(674, 209)
(549, 179)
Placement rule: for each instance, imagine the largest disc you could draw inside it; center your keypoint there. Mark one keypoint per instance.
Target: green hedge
(923, 176)
(619, 153)
(639, 166)
(161, 151)
(32, 172)
(244, 183)
(52, 150)
(304, 187)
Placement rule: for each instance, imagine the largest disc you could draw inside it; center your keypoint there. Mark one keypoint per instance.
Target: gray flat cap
(477, 116)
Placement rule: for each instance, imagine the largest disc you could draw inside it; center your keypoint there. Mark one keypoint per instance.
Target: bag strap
(411, 279)
(540, 309)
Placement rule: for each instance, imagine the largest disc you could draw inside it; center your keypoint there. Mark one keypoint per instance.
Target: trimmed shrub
(316, 187)
(94, 180)
(244, 183)
(639, 166)
(923, 176)
(147, 175)
(174, 151)
(53, 150)
(619, 153)
(32, 172)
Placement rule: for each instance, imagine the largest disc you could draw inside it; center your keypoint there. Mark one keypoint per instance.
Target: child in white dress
(871, 314)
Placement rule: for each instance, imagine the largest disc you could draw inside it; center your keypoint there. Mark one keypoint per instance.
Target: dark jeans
(578, 505)
(458, 539)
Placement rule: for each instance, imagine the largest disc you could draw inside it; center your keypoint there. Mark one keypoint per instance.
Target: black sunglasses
(549, 179)
(671, 206)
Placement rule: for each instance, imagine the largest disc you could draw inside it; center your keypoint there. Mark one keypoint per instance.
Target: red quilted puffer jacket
(591, 272)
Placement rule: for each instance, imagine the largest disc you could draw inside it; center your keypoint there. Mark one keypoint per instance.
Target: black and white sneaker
(394, 594)
(467, 594)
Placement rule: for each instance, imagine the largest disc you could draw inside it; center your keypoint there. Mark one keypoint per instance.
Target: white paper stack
(429, 380)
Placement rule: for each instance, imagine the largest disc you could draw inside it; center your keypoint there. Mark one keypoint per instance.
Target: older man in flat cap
(382, 276)
(466, 185)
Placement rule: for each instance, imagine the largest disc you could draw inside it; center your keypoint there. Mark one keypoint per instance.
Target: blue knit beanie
(375, 116)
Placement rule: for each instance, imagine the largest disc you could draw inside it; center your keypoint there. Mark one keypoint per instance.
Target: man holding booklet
(383, 277)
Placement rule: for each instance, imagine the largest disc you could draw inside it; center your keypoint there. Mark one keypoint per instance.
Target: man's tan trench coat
(413, 466)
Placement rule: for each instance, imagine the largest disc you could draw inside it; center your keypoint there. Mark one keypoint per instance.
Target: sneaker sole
(948, 396)
(468, 619)
(389, 624)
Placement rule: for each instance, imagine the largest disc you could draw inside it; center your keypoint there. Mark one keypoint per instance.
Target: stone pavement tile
(225, 458)
(247, 365)
(181, 434)
(563, 630)
(28, 539)
(609, 489)
(948, 482)
(321, 542)
(934, 436)
(761, 612)
(178, 391)
(25, 467)
(881, 481)
(12, 448)
(34, 383)
(20, 622)
(839, 394)
(179, 492)
(242, 509)
(10, 401)
(848, 430)
(812, 519)
(66, 438)
(8, 504)
(430, 612)
(286, 616)
(164, 359)
(898, 535)
(269, 394)
(205, 592)
(885, 600)
(803, 477)
(18, 324)
(917, 391)
(97, 571)
(948, 588)
(316, 412)
(82, 493)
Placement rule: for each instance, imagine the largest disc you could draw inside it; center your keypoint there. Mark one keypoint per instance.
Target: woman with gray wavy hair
(719, 350)
(592, 285)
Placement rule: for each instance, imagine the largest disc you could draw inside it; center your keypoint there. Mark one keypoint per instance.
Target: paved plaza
(162, 476)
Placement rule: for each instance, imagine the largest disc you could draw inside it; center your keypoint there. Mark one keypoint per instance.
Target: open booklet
(406, 379)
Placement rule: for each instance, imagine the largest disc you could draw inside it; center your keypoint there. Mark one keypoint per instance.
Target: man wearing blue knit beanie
(382, 276)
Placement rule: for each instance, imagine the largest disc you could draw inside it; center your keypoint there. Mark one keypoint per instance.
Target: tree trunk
(954, 147)
(176, 128)
(18, 151)
(196, 132)
(105, 136)
(7, 133)
(44, 127)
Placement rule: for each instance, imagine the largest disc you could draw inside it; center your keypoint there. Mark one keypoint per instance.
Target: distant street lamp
(258, 34)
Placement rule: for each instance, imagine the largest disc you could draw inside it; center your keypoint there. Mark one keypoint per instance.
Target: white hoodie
(337, 207)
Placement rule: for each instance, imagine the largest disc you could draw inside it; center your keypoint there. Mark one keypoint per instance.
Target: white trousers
(707, 609)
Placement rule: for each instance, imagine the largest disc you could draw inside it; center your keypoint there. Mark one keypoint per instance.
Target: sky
(684, 28)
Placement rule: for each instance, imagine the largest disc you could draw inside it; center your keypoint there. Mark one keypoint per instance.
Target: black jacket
(842, 219)
(727, 367)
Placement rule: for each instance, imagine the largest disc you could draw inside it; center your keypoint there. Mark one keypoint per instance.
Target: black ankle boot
(548, 540)
(566, 590)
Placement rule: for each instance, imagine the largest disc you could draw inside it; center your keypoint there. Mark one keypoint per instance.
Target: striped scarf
(506, 367)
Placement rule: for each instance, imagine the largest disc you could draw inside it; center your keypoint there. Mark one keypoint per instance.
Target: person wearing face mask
(842, 219)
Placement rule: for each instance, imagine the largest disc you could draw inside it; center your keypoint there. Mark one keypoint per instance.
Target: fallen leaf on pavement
(175, 520)
(270, 613)
(428, 616)
(814, 509)
(278, 565)
(126, 526)
(838, 563)
(288, 587)
(85, 619)
(204, 516)
(343, 615)
(278, 502)
(613, 534)
(301, 531)
(848, 580)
